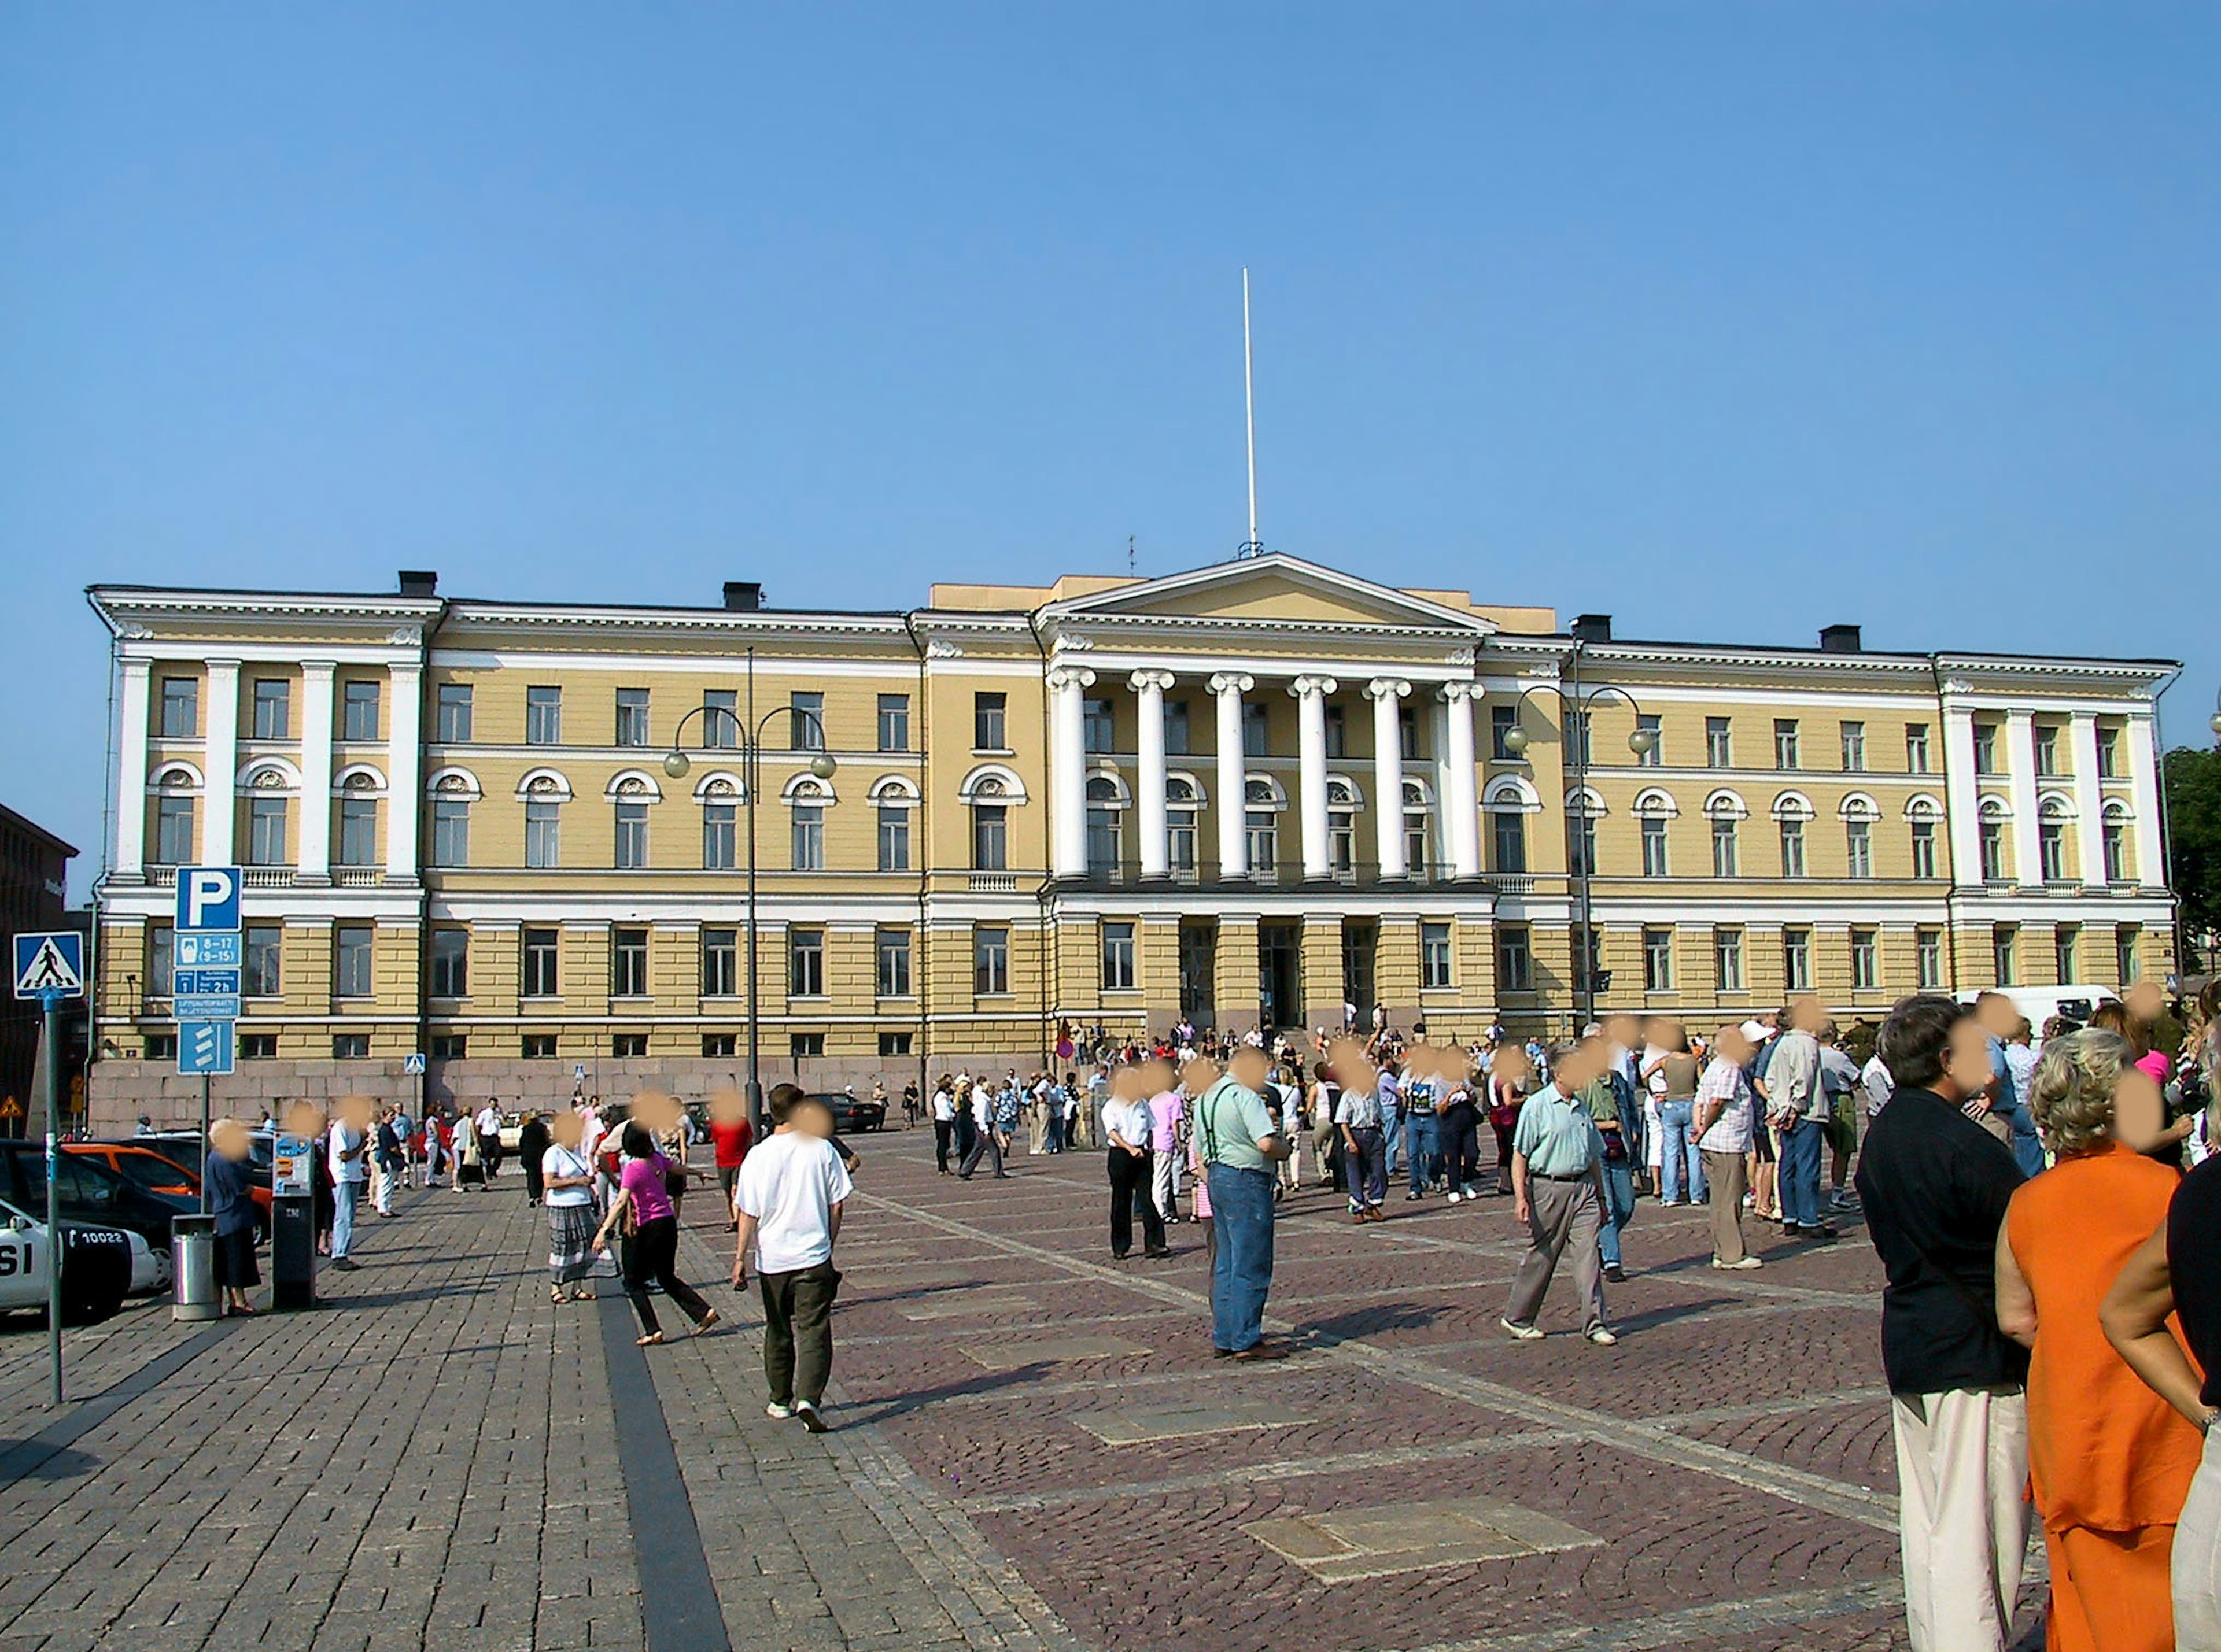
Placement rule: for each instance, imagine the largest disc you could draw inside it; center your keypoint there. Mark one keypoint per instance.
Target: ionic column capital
(1227, 682)
(1386, 687)
(1310, 687)
(1071, 677)
(1452, 693)
(1142, 681)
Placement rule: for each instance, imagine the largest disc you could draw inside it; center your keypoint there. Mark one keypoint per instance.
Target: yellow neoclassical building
(1263, 789)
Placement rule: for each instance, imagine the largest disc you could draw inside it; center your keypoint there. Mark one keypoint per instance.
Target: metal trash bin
(192, 1268)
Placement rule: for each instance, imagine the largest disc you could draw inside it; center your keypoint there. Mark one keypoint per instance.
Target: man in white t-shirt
(488, 1124)
(347, 1157)
(788, 1205)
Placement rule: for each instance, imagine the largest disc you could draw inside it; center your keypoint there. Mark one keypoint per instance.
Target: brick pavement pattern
(1034, 1448)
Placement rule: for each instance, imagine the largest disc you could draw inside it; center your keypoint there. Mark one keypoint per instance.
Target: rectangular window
(1792, 849)
(1502, 720)
(1723, 849)
(632, 717)
(631, 837)
(805, 964)
(181, 707)
(1407, 733)
(2004, 940)
(1337, 732)
(358, 831)
(991, 961)
(1118, 957)
(1985, 748)
(804, 1046)
(894, 837)
(1654, 846)
(1854, 748)
(1866, 960)
(274, 708)
(1515, 959)
(541, 947)
(1103, 842)
(351, 944)
(721, 720)
(2125, 954)
(627, 963)
(1581, 845)
(1785, 743)
(1858, 847)
(1654, 757)
(538, 1046)
(717, 1046)
(1658, 960)
(1797, 960)
(1583, 748)
(2051, 851)
(262, 955)
(543, 716)
(543, 835)
(1254, 729)
(2109, 753)
(350, 1046)
(894, 722)
(721, 833)
(1435, 956)
(894, 1043)
(1992, 836)
(1261, 830)
(808, 836)
(358, 710)
(1096, 726)
(721, 962)
(991, 838)
(1176, 728)
(1928, 959)
(2062, 953)
(1727, 960)
(1415, 843)
(258, 1046)
(988, 713)
(1916, 748)
(806, 709)
(2112, 838)
(1180, 842)
(627, 1046)
(1511, 840)
(451, 717)
(1924, 849)
(1719, 744)
(451, 831)
(451, 964)
(161, 962)
(266, 832)
(894, 963)
(173, 831)
(2047, 750)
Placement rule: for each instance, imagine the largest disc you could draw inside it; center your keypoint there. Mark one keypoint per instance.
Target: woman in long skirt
(469, 1168)
(567, 1176)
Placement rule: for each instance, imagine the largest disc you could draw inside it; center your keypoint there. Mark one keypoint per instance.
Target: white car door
(23, 1260)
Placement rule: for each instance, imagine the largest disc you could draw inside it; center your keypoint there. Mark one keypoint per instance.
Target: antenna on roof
(1252, 546)
(1129, 553)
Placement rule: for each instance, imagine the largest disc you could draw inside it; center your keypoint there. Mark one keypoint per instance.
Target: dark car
(139, 1159)
(853, 1113)
(88, 1192)
(96, 1266)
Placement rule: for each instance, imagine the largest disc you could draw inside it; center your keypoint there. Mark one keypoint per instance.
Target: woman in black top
(533, 1142)
(231, 1202)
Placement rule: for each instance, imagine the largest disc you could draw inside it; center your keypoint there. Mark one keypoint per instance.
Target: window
(451, 964)
(181, 707)
(894, 837)
(260, 956)
(894, 1043)
(627, 963)
(350, 1046)
(451, 831)
(894, 722)
(2003, 939)
(991, 836)
(894, 963)
(274, 708)
(1582, 723)
(1865, 965)
(627, 1047)
(1407, 733)
(809, 835)
(1792, 849)
(632, 717)
(1924, 849)
(987, 716)
(717, 1046)
(1727, 960)
(804, 1046)
(1916, 748)
(1515, 959)
(721, 720)
(1723, 849)
(543, 716)
(1254, 729)
(632, 837)
(2124, 956)
(1095, 726)
(1656, 757)
(450, 1046)
(1928, 959)
(543, 834)
(807, 715)
(805, 964)
(162, 960)
(1179, 828)
(1416, 857)
(1511, 831)
(1654, 846)
(258, 1046)
(1858, 847)
(1176, 728)
(1581, 843)
(1719, 744)
(1854, 748)
(1337, 732)
(1992, 836)
(539, 955)
(721, 962)
(173, 831)
(162, 1046)
(2113, 839)
(1797, 960)
(991, 961)
(358, 831)
(2109, 753)
(538, 1046)
(266, 832)
(351, 960)
(2051, 850)
(1102, 829)
(2047, 750)
(1785, 743)
(1118, 957)
(358, 710)
(1435, 956)
(451, 715)
(721, 833)
(2062, 952)
(1985, 748)
(1260, 832)
(1658, 960)
(1502, 720)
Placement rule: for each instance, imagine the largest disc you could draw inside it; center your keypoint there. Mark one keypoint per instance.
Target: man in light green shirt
(1238, 1139)
(1556, 1155)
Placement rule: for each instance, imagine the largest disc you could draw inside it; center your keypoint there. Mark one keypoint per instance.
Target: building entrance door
(1280, 973)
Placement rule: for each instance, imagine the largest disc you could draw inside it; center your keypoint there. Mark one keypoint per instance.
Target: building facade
(1261, 790)
(34, 896)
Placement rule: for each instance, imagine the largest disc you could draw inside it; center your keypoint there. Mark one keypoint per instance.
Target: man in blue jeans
(1239, 1147)
(1392, 1113)
(1609, 1098)
(1797, 1106)
(1422, 1129)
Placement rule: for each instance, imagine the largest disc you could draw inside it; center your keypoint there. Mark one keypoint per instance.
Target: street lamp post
(1573, 705)
(676, 763)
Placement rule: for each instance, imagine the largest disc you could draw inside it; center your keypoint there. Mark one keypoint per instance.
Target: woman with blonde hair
(2110, 1462)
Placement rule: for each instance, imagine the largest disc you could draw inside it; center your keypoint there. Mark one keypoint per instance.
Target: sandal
(704, 1323)
(555, 1294)
(653, 1339)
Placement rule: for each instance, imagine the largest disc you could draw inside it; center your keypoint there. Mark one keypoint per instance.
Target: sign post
(50, 967)
(204, 995)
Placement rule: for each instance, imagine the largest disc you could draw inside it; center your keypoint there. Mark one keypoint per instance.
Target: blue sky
(1732, 320)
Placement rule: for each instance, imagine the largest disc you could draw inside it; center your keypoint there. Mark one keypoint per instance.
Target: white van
(2078, 1003)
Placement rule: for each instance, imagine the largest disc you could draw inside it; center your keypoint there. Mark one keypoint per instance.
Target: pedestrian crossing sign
(50, 965)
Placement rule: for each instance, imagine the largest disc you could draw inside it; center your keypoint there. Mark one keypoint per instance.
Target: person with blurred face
(1241, 1144)
(1722, 1119)
(1168, 1114)
(1555, 1153)
(790, 1198)
(1799, 1108)
(2000, 1020)
(1357, 1116)
(230, 1179)
(1126, 1124)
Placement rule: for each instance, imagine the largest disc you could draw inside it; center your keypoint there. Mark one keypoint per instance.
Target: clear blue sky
(1732, 320)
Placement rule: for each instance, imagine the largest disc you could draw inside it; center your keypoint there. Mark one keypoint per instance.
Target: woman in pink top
(645, 1193)
(2140, 1122)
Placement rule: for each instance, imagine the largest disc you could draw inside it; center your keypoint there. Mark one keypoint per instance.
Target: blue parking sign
(208, 899)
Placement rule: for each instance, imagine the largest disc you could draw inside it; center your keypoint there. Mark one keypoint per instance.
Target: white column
(314, 859)
(1459, 799)
(2089, 800)
(1233, 778)
(2141, 738)
(1149, 799)
(2020, 778)
(130, 865)
(1386, 693)
(1067, 770)
(1311, 693)
(219, 841)
(1962, 799)
(405, 782)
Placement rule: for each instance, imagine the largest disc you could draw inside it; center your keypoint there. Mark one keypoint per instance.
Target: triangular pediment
(1274, 588)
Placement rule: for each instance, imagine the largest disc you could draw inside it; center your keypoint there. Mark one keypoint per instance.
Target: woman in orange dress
(2110, 1462)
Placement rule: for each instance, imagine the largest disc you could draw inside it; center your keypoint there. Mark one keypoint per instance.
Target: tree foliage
(2192, 777)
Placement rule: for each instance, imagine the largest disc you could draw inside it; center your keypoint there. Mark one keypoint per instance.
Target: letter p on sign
(208, 899)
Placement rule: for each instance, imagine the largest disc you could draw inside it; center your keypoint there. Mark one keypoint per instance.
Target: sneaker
(1413, 1198)
(1454, 1197)
(347, 1264)
(1600, 1336)
(1616, 1274)
(1747, 1262)
(810, 1419)
(780, 1411)
(1524, 1333)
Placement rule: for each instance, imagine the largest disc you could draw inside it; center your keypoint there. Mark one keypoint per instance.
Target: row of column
(1459, 807)
(2022, 783)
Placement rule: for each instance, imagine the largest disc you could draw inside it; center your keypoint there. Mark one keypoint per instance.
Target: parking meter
(293, 1222)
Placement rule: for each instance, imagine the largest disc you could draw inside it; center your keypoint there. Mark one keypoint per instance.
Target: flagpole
(1253, 544)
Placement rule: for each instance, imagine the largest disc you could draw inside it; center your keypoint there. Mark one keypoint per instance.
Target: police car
(99, 1265)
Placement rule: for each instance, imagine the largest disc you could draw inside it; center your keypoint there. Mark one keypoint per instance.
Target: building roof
(11, 820)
